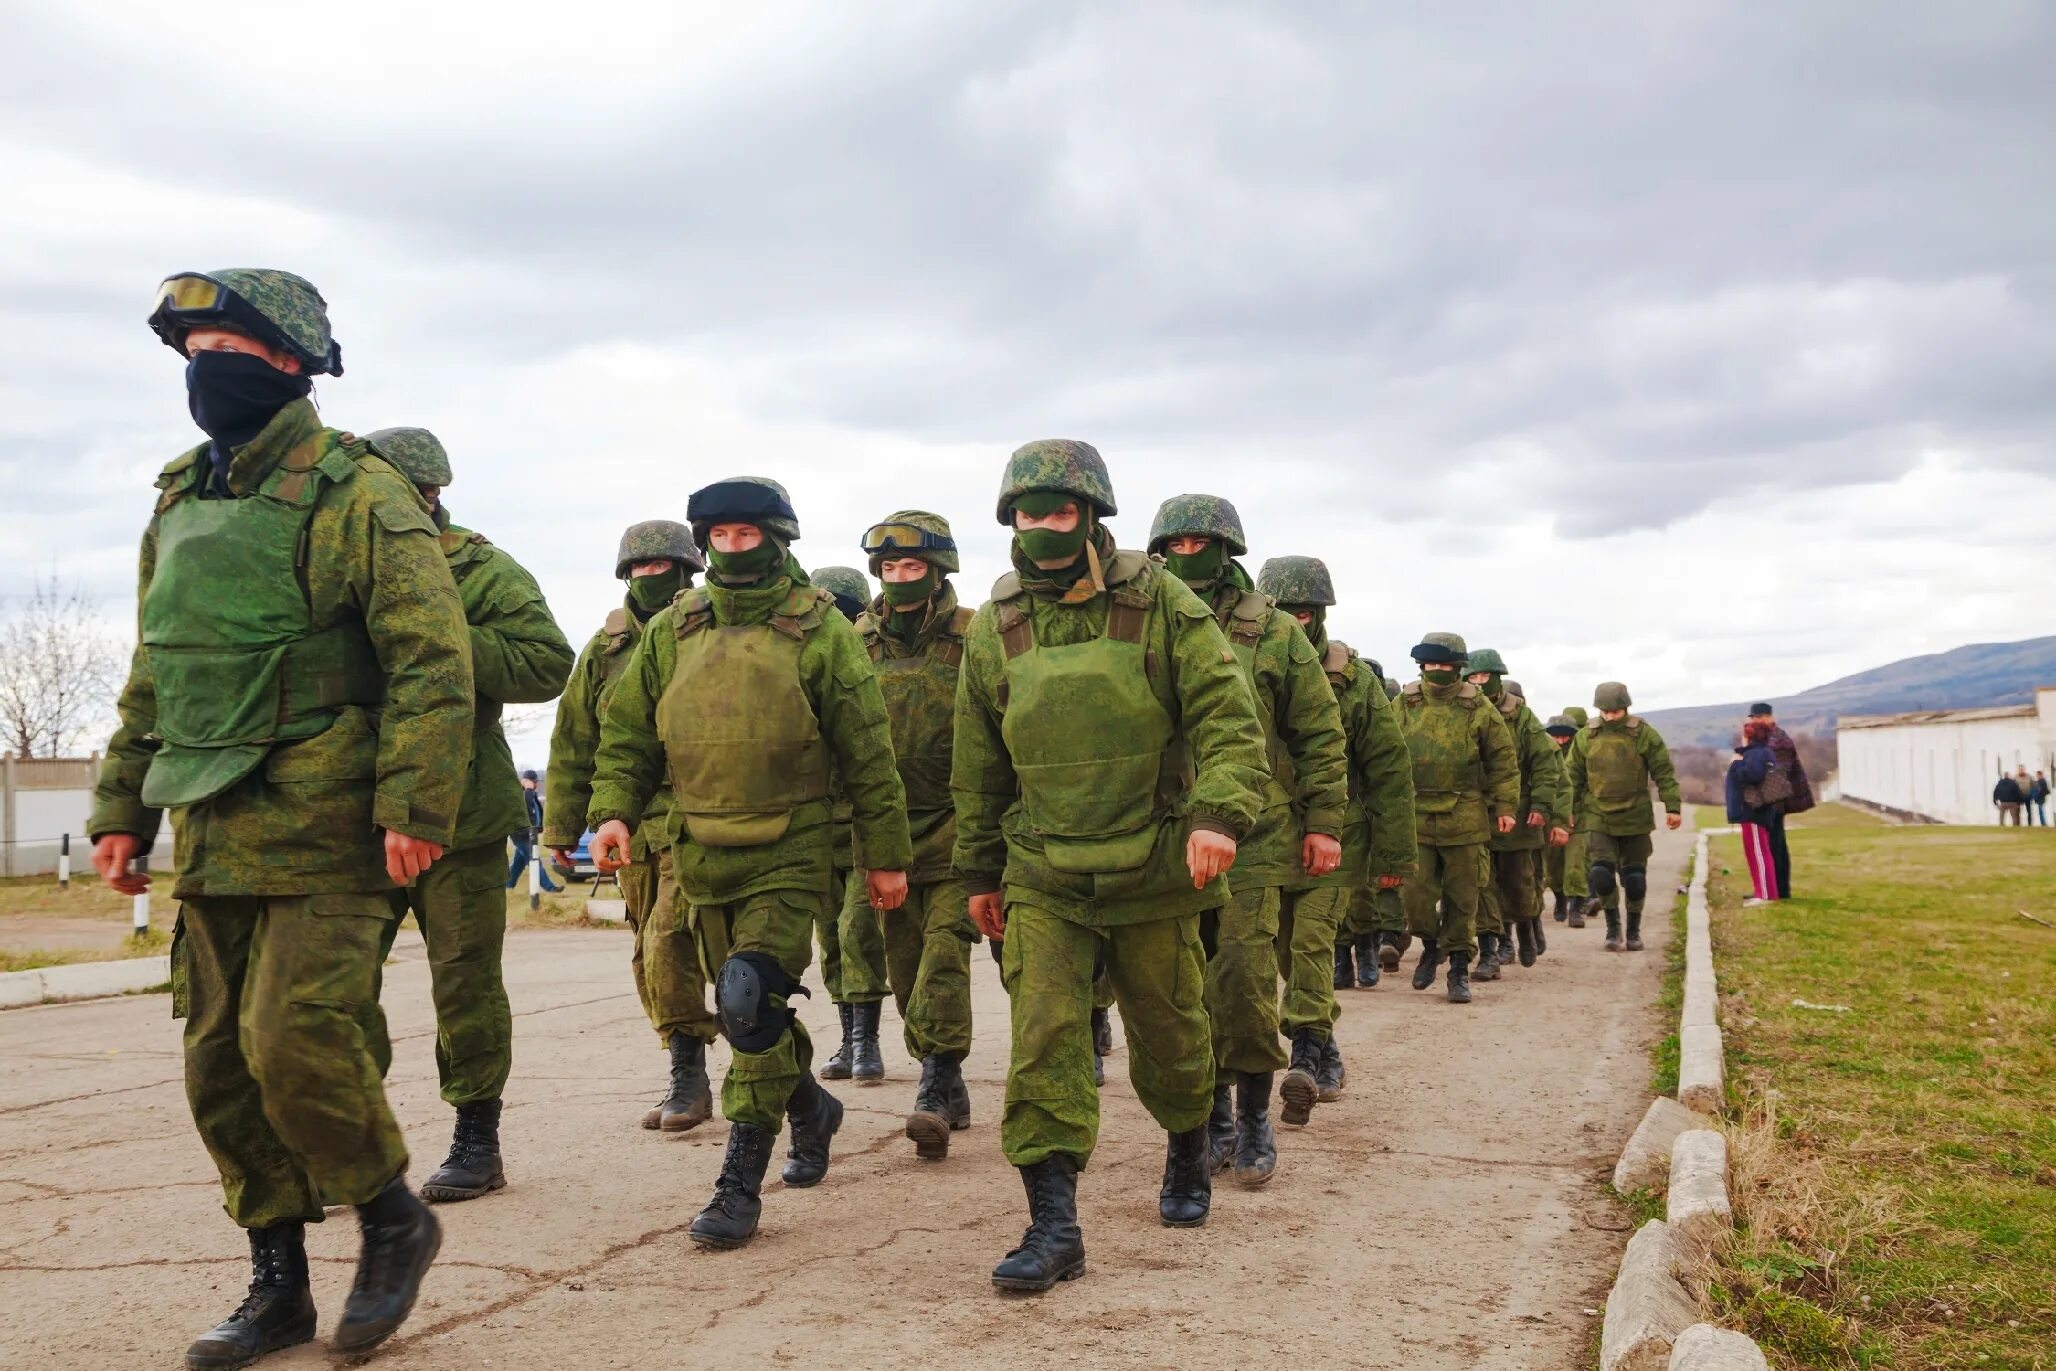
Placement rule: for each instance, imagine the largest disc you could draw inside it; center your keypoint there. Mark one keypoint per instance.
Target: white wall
(1944, 770)
(41, 816)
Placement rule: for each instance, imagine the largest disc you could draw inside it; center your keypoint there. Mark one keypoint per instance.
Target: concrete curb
(1647, 1309)
(82, 981)
(1702, 1347)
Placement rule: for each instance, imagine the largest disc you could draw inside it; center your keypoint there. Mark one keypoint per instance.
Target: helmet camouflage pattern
(942, 559)
(1487, 659)
(711, 504)
(654, 538)
(1611, 695)
(279, 308)
(843, 582)
(1577, 715)
(1441, 648)
(1297, 581)
(1391, 688)
(1560, 726)
(1198, 516)
(415, 453)
(1058, 464)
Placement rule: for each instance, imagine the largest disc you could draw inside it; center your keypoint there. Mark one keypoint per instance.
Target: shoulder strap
(1007, 586)
(1468, 696)
(695, 610)
(1412, 692)
(1247, 617)
(1128, 615)
(949, 640)
(868, 629)
(1016, 634)
(1339, 663)
(1634, 724)
(1126, 565)
(1509, 705)
(801, 612)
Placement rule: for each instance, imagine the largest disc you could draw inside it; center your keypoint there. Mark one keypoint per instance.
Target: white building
(43, 801)
(1941, 764)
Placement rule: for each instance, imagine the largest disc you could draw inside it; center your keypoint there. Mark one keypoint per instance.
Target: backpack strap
(1468, 696)
(695, 611)
(1339, 663)
(949, 641)
(1247, 617)
(1128, 615)
(801, 612)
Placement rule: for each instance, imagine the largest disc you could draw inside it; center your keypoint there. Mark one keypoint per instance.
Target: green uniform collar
(292, 426)
(755, 603)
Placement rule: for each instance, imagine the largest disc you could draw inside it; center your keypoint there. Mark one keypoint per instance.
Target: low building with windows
(1941, 764)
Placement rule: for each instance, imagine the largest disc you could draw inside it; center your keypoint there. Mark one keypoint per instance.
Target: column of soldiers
(1151, 780)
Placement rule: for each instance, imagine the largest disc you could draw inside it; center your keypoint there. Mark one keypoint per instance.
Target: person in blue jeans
(2038, 799)
(524, 841)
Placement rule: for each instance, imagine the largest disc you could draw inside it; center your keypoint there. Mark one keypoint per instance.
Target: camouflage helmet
(1297, 581)
(1611, 695)
(272, 306)
(1198, 516)
(1440, 649)
(1514, 688)
(1377, 669)
(1486, 659)
(846, 584)
(1058, 464)
(879, 540)
(655, 538)
(755, 500)
(1391, 688)
(1577, 715)
(1560, 726)
(415, 453)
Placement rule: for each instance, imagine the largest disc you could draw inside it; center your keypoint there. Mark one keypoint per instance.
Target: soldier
(914, 633)
(1554, 874)
(1570, 872)
(745, 691)
(1084, 827)
(1512, 897)
(1378, 828)
(301, 701)
(657, 560)
(518, 656)
(852, 948)
(1611, 765)
(1466, 784)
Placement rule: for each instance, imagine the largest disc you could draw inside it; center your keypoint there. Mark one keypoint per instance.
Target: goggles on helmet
(885, 539)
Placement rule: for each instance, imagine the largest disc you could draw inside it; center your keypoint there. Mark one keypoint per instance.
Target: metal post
(7, 799)
(139, 914)
(64, 862)
(535, 873)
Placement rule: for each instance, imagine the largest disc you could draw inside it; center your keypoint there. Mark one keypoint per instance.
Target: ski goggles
(882, 539)
(191, 296)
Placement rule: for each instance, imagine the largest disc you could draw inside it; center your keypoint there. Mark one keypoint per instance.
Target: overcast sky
(1704, 345)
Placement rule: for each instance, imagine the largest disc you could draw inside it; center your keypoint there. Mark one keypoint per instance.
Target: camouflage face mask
(651, 593)
(902, 593)
(1040, 545)
(1439, 675)
(1197, 568)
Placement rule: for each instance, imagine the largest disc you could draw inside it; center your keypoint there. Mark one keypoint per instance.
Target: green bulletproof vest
(235, 660)
(740, 737)
(1444, 745)
(1243, 622)
(921, 701)
(1092, 746)
(1614, 770)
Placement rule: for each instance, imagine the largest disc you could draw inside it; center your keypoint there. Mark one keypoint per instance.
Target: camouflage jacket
(1465, 770)
(1542, 788)
(576, 739)
(310, 819)
(1378, 839)
(1611, 766)
(918, 676)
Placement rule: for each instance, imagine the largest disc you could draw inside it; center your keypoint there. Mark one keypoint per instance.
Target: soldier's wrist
(1214, 823)
(981, 885)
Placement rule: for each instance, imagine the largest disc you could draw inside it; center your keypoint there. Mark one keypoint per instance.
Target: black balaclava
(232, 396)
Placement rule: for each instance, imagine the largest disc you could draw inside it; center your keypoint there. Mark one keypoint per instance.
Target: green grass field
(1894, 1167)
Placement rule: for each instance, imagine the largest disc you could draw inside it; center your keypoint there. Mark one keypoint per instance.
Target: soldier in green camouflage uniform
(301, 701)
(1512, 909)
(1378, 826)
(1374, 934)
(1108, 759)
(1612, 763)
(518, 656)
(745, 691)
(1466, 784)
(1298, 834)
(852, 947)
(1555, 874)
(657, 559)
(1569, 865)
(914, 633)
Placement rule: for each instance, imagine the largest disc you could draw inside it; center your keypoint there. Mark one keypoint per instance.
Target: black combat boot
(1368, 955)
(936, 1104)
(1333, 1075)
(1634, 930)
(277, 1313)
(867, 1067)
(1424, 969)
(1580, 906)
(1613, 930)
(837, 1067)
(1220, 1127)
(1052, 1249)
(1560, 914)
(1102, 1044)
(1299, 1089)
(1459, 978)
(1488, 957)
(1345, 964)
(1541, 939)
(813, 1115)
(1524, 934)
(1391, 946)
(691, 1101)
(959, 1096)
(1256, 1147)
(473, 1166)
(730, 1218)
(1188, 1188)
(400, 1238)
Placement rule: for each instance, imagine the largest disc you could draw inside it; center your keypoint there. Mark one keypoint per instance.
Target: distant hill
(1977, 674)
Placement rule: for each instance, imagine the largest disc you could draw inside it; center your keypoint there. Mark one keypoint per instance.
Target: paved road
(1451, 1211)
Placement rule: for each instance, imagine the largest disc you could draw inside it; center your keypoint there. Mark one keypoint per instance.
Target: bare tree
(60, 669)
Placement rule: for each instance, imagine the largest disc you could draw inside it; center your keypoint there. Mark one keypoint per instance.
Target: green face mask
(1197, 568)
(1047, 545)
(1439, 675)
(652, 593)
(1317, 627)
(1494, 687)
(747, 566)
(898, 593)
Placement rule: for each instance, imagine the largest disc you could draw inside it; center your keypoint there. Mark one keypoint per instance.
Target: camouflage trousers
(1308, 922)
(852, 945)
(1158, 974)
(666, 959)
(460, 905)
(780, 924)
(927, 943)
(1564, 868)
(1442, 899)
(1511, 892)
(279, 1074)
(1621, 851)
(1241, 941)
(1375, 910)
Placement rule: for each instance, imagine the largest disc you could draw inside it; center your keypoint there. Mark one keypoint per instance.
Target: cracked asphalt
(1450, 1211)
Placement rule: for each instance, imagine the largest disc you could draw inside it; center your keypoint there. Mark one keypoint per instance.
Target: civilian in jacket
(1785, 764)
(2006, 794)
(1753, 763)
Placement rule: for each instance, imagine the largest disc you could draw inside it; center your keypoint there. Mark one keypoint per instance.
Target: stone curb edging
(82, 981)
(1651, 1320)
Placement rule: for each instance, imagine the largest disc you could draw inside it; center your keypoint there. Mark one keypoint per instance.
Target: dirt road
(1451, 1211)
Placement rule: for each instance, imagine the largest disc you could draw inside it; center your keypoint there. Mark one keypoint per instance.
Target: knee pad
(1635, 880)
(750, 998)
(1600, 878)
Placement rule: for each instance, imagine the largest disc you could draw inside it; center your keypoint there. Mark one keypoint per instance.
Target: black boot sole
(876, 1078)
(930, 1134)
(701, 1111)
(654, 1118)
(1388, 957)
(720, 1242)
(233, 1361)
(451, 1194)
(342, 1341)
(808, 1182)
(1300, 1095)
(1019, 1285)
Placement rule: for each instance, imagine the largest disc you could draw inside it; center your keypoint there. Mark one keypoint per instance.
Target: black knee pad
(1635, 880)
(750, 998)
(1600, 877)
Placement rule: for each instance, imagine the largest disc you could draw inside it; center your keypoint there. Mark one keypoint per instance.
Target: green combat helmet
(755, 500)
(274, 307)
(847, 584)
(1577, 715)
(1298, 581)
(1198, 516)
(1391, 688)
(1611, 695)
(415, 453)
(1059, 464)
(1487, 659)
(1560, 726)
(655, 538)
(1440, 649)
(912, 533)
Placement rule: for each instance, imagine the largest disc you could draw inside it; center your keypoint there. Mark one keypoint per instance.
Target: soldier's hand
(1505, 823)
(1391, 882)
(888, 888)
(1208, 854)
(1559, 837)
(609, 847)
(114, 856)
(989, 914)
(1536, 818)
(408, 857)
(1673, 820)
(560, 855)
(1320, 854)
